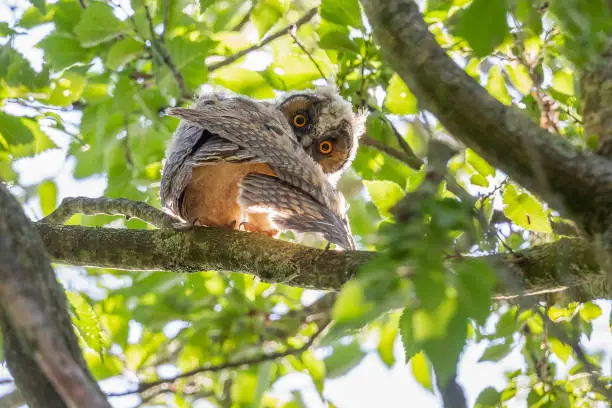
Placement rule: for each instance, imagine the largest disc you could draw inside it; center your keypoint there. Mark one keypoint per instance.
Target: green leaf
(478, 180)
(411, 346)
(483, 25)
(336, 37)
(496, 85)
(33, 17)
(67, 15)
(123, 52)
(316, 369)
(264, 378)
(47, 193)
(243, 81)
(40, 5)
(589, 311)
(475, 284)
(63, 50)
(444, 352)
(563, 351)
(350, 304)
(525, 211)
(496, 352)
(40, 143)
(243, 388)
(98, 24)
(385, 194)
(478, 163)
(5, 30)
(388, 334)
(421, 370)
(67, 89)
(399, 99)
(343, 358)
(519, 75)
(488, 398)
(188, 56)
(343, 12)
(14, 131)
(563, 81)
(87, 323)
(265, 14)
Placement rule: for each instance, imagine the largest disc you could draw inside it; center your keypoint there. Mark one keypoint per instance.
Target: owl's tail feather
(293, 209)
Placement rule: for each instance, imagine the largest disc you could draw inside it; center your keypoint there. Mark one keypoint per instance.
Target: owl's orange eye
(300, 120)
(325, 147)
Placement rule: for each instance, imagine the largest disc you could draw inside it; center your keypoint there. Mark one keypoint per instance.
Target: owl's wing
(194, 146)
(294, 209)
(263, 132)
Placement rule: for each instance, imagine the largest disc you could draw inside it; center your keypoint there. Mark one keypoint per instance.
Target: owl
(326, 127)
(237, 162)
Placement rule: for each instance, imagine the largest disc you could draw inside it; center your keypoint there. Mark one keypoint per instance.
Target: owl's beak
(306, 141)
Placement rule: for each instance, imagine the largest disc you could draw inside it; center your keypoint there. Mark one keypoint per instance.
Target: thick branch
(201, 249)
(41, 348)
(577, 184)
(566, 264)
(597, 108)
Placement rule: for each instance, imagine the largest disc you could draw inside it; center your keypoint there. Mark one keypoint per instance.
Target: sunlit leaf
(47, 193)
(385, 195)
(343, 12)
(123, 52)
(525, 211)
(399, 98)
(483, 25)
(496, 352)
(421, 371)
(98, 24)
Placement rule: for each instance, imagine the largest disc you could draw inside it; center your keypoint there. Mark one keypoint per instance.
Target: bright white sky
(370, 384)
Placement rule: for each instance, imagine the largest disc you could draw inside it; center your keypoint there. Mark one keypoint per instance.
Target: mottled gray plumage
(294, 210)
(232, 129)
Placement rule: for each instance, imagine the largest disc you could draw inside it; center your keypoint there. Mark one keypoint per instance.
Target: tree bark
(567, 265)
(41, 348)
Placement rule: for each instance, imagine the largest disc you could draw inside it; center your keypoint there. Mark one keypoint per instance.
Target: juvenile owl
(233, 158)
(326, 127)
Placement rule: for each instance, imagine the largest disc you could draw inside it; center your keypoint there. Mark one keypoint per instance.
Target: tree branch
(577, 184)
(230, 364)
(103, 205)
(283, 31)
(42, 351)
(540, 269)
(158, 45)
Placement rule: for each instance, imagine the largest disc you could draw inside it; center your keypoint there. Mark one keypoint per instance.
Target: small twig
(82, 4)
(162, 37)
(110, 206)
(363, 80)
(158, 45)
(126, 142)
(293, 34)
(285, 30)
(231, 364)
(410, 159)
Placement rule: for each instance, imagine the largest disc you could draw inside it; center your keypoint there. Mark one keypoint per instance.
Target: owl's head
(325, 125)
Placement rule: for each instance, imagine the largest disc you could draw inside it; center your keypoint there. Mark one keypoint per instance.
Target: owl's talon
(243, 226)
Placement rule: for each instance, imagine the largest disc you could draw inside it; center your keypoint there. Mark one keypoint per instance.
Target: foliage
(110, 69)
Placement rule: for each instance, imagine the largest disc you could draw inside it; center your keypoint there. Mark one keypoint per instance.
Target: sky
(369, 384)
